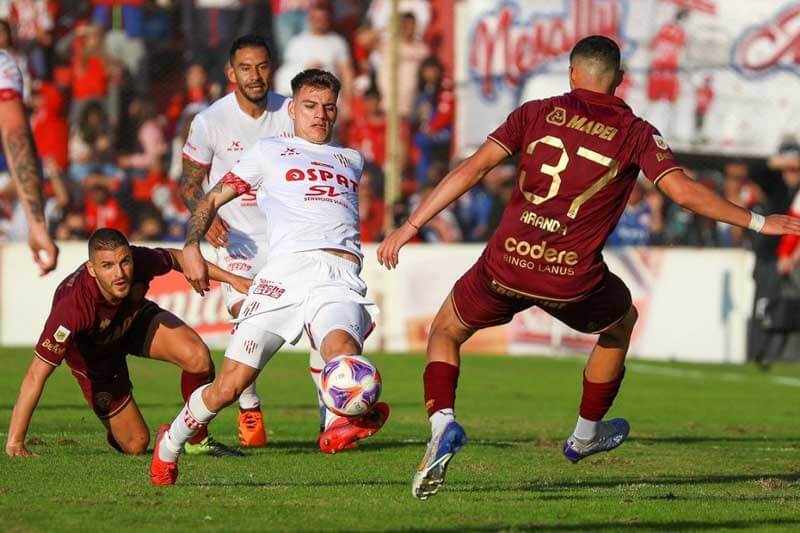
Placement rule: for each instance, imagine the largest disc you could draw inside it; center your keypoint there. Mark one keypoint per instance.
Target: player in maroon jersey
(99, 315)
(579, 156)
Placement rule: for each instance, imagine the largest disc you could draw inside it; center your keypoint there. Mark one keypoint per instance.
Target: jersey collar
(599, 98)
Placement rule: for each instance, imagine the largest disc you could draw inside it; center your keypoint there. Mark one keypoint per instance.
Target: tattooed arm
(191, 188)
(23, 163)
(194, 266)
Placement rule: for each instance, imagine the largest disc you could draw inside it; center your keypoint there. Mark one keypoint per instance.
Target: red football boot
(162, 472)
(345, 431)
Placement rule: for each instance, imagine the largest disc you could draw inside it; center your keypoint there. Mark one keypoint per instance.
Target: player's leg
(610, 313)
(250, 349)
(340, 328)
(315, 365)
(127, 430)
(170, 339)
(472, 305)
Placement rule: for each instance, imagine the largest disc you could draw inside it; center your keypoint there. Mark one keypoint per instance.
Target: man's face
(249, 70)
(313, 110)
(113, 270)
(319, 20)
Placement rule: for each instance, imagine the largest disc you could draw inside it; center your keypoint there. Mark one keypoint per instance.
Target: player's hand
(389, 250)
(45, 252)
(781, 225)
(217, 234)
(240, 284)
(195, 269)
(17, 449)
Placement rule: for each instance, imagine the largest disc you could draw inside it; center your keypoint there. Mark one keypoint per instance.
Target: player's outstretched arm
(29, 393)
(239, 283)
(23, 163)
(191, 190)
(458, 181)
(699, 199)
(195, 268)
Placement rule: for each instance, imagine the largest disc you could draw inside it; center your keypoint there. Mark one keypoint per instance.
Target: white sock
(440, 419)
(585, 429)
(330, 416)
(249, 398)
(192, 417)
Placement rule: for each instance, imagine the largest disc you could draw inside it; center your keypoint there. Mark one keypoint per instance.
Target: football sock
(193, 417)
(189, 383)
(596, 401)
(585, 429)
(440, 419)
(330, 417)
(441, 380)
(249, 398)
(315, 365)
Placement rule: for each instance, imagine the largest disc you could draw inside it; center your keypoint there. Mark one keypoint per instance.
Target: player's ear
(618, 79)
(290, 109)
(90, 268)
(572, 76)
(229, 73)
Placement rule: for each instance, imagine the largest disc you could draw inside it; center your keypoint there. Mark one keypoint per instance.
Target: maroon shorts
(102, 371)
(480, 302)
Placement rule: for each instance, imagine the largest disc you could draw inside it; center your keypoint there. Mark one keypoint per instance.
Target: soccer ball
(350, 385)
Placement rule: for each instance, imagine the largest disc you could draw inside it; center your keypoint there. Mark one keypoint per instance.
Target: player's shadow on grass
(689, 439)
(650, 525)
(300, 484)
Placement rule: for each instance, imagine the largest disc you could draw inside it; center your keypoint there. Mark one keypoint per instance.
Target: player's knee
(135, 443)
(447, 325)
(620, 333)
(225, 391)
(196, 357)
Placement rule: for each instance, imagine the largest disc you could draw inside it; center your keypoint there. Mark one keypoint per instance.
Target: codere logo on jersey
(544, 259)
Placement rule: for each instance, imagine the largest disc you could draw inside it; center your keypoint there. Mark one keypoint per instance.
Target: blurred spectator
(149, 144)
(150, 227)
(209, 26)
(102, 210)
(441, 228)
(124, 25)
(371, 208)
(320, 47)
(49, 125)
(90, 70)
(73, 227)
(478, 209)
(34, 24)
(411, 52)
(737, 188)
(90, 143)
(433, 115)
(289, 18)
(195, 91)
(641, 221)
(380, 10)
(367, 132)
(703, 97)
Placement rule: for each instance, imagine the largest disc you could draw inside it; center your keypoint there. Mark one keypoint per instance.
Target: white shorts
(244, 256)
(314, 291)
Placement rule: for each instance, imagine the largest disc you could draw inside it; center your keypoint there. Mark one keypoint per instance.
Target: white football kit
(10, 78)
(308, 194)
(218, 137)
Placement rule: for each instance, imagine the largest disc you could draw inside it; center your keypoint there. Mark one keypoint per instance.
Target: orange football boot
(251, 428)
(345, 431)
(162, 472)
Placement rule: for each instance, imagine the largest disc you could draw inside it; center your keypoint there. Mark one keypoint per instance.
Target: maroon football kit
(579, 157)
(94, 336)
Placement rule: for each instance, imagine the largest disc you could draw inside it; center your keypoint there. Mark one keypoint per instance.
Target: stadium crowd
(112, 86)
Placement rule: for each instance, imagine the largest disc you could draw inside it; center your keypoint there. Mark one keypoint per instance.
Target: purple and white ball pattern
(350, 385)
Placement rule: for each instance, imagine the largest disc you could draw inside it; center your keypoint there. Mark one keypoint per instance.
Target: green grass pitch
(711, 447)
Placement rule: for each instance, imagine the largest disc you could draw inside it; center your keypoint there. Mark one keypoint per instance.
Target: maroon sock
(598, 397)
(441, 380)
(190, 383)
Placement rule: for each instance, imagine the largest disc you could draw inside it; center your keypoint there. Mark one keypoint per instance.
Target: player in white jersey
(23, 162)
(218, 137)
(308, 191)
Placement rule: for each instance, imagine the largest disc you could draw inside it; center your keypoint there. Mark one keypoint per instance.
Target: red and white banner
(712, 75)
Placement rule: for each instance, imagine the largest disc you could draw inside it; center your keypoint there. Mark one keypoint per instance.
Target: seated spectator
(90, 144)
(149, 145)
(641, 221)
(194, 93)
(102, 210)
(371, 209)
(150, 227)
(72, 228)
(737, 188)
(411, 52)
(433, 114)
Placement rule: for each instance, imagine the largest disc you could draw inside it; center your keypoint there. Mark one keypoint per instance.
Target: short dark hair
(320, 79)
(251, 40)
(106, 239)
(598, 48)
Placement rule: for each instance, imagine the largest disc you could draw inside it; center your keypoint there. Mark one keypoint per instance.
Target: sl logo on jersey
(557, 117)
(290, 151)
(660, 142)
(61, 334)
(236, 146)
(324, 190)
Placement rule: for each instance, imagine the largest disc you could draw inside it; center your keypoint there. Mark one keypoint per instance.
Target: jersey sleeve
(10, 79)
(150, 262)
(511, 133)
(69, 315)
(248, 174)
(654, 155)
(197, 147)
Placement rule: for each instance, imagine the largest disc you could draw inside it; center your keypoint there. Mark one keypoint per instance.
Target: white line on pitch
(699, 374)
